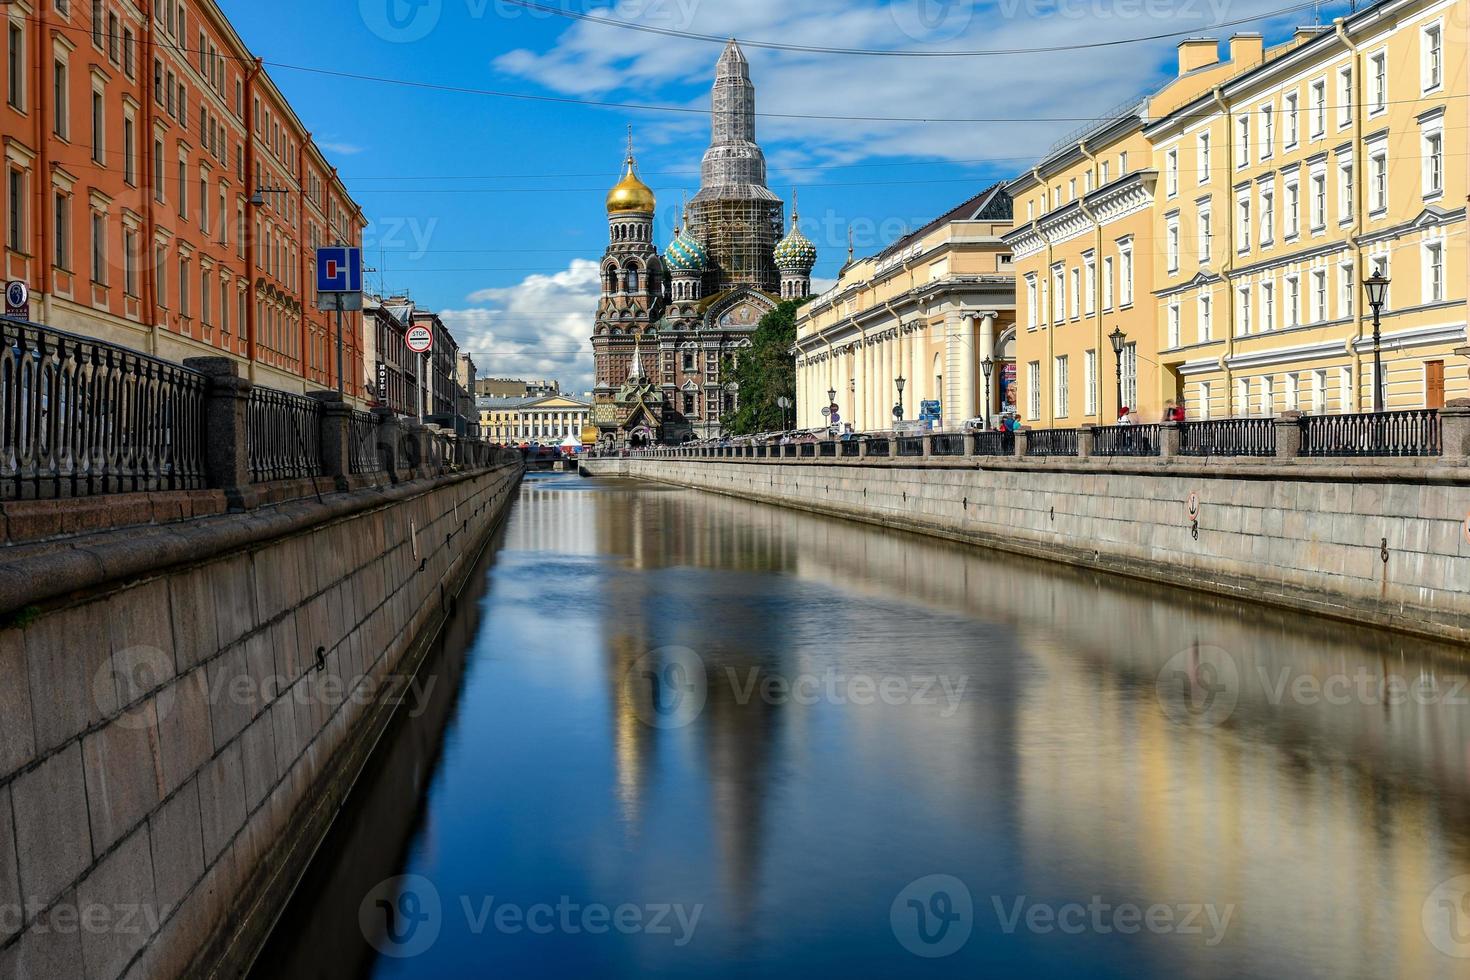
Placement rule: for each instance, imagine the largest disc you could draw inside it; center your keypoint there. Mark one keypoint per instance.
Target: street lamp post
(832, 406)
(1376, 286)
(900, 382)
(988, 366)
(1118, 337)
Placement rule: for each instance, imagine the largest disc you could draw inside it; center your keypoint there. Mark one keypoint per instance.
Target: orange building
(161, 194)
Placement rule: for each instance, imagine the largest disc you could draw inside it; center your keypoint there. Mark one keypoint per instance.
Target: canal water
(682, 735)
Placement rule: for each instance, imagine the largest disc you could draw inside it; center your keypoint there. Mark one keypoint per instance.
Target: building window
(1318, 203)
(1345, 190)
(1033, 392)
(130, 152)
(1243, 231)
(1204, 401)
(1293, 121)
(63, 231)
(16, 211)
(1345, 97)
(99, 249)
(1031, 301)
(205, 297)
(1089, 285)
(1378, 65)
(1268, 396)
(1171, 171)
(1293, 301)
(1293, 393)
(15, 90)
(1293, 210)
(1205, 234)
(1206, 305)
(1319, 108)
(1243, 311)
(1268, 131)
(1242, 141)
(1089, 379)
(1348, 289)
(1130, 375)
(1061, 388)
(1433, 163)
(1075, 278)
(1433, 272)
(1107, 283)
(60, 100)
(1319, 295)
(1172, 240)
(1242, 396)
(99, 127)
(1268, 306)
(130, 262)
(1268, 215)
(1125, 272)
(1432, 44)
(1174, 336)
(1378, 175)
(183, 287)
(1204, 157)
(1058, 296)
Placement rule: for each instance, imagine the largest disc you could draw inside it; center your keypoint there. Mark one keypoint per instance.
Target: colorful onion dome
(686, 254)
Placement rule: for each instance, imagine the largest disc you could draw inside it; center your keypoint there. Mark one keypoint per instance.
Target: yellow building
(1084, 250)
(1342, 155)
(929, 309)
(549, 420)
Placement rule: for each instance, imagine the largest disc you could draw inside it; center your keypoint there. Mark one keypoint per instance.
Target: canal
(675, 734)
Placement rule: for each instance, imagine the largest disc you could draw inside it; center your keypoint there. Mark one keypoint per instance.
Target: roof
(991, 204)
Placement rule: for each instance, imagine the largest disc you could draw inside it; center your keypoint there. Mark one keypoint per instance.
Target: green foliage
(765, 373)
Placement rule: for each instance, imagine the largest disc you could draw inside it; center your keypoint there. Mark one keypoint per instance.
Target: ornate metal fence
(910, 446)
(995, 444)
(851, 448)
(950, 444)
(879, 447)
(828, 449)
(1051, 442)
(285, 435)
(1414, 433)
(79, 417)
(363, 432)
(1125, 440)
(1228, 437)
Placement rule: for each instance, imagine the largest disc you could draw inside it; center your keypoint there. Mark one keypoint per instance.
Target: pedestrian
(1125, 415)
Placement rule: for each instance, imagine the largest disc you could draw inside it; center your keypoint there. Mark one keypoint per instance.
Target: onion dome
(631, 195)
(686, 254)
(795, 252)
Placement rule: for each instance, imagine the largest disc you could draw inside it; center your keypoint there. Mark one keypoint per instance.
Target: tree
(764, 373)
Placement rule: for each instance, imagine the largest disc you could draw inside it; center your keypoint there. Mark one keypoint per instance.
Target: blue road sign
(338, 269)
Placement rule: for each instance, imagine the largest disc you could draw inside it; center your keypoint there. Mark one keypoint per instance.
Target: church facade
(671, 323)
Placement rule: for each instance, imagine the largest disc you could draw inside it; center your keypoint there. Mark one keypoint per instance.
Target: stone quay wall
(176, 739)
(1375, 542)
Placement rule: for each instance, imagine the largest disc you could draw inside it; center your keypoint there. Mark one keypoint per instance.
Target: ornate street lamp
(1119, 338)
(988, 366)
(1376, 286)
(899, 412)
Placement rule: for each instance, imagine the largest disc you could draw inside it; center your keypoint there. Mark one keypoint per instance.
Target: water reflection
(874, 708)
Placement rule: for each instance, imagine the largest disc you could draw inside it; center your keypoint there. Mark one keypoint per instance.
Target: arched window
(632, 280)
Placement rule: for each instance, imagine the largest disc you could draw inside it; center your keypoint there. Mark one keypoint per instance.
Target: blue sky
(491, 209)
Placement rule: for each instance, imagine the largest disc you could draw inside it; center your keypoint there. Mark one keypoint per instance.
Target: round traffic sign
(420, 340)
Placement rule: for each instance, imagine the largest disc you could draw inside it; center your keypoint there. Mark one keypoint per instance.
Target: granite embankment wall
(1377, 542)
(174, 741)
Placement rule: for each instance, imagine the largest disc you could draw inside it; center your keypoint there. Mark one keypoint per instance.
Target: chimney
(1247, 49)
(1196, 53)
(1306, 32)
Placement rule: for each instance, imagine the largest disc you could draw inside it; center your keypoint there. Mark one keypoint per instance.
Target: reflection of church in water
(670, 326)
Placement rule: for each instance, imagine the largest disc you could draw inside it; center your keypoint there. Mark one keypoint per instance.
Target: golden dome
(590, 434)
(630, 194)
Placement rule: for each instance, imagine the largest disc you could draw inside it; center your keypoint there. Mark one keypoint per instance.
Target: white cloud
(342, 149)
(538, 328)
(589, 59)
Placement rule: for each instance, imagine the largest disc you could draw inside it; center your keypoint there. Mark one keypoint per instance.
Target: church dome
(796, 253)
(631, 195)
(686, 254)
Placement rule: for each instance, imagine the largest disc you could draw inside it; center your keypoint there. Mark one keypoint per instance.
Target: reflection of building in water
(635, 742)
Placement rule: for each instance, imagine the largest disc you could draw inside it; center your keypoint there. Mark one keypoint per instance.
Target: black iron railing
(1125, 440)
(79, 417)
(1228, 437)
(1051, 442)
(910, 446)
(1413, 433)
(850, 448)
(808, 450)
(829, 449)
(285, 435)
(880, 446)
(948, 445)
(363, 434)
(995, 443)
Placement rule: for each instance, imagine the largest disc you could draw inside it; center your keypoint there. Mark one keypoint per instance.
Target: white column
(987, 349)
(956, 353)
